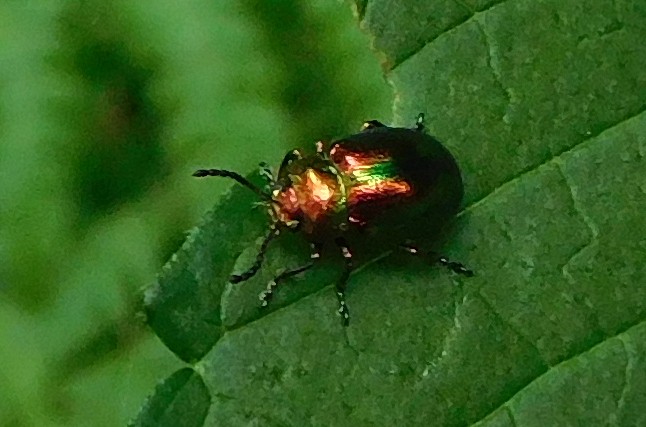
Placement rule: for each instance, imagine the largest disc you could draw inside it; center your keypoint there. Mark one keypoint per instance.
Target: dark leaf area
(542, 104)
(182, 400)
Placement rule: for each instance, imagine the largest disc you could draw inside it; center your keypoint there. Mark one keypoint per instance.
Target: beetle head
(308, 192)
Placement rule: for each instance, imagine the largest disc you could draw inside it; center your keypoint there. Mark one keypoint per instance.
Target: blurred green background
(106, 108)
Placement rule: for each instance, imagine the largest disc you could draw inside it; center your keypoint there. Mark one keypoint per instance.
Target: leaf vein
(510, 414)
(505, 322)
(555, 158)
(630, 351)
(457, 24)
(494, 64)
(578, 207)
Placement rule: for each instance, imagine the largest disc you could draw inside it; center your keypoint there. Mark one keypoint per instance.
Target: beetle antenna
(235, 176)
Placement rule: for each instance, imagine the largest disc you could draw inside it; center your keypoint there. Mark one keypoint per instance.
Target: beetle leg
(322, 150)
(341, 283)
(419, 123)
(237, 278)
(290, 157)
(456, 267)
(266, 295)
(319, 147)
(266, 173)
(371, 124)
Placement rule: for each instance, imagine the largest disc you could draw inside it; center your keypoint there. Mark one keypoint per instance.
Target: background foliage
(106, 108)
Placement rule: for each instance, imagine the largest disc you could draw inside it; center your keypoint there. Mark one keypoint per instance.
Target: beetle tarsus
(266, 173)
(419, 123)
(343, 280)
(371, 124)
(455, 267)
(266, 295)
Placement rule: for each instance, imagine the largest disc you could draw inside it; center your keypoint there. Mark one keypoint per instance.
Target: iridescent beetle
(380, 178)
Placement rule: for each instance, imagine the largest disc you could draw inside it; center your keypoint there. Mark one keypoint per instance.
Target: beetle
(380, 180)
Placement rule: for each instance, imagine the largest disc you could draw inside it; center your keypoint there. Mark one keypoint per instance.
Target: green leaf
(542, 104)
(183, 307)
(181, 400)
